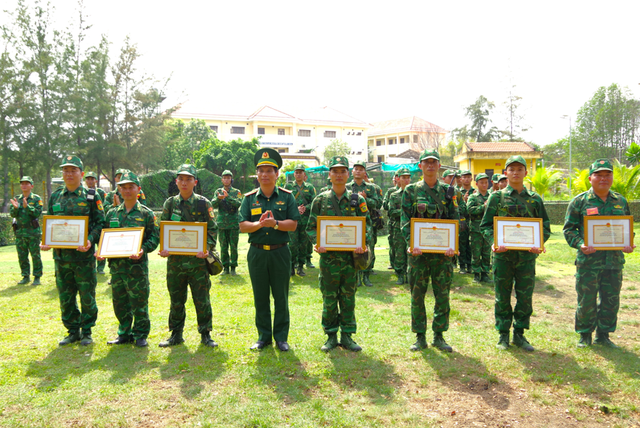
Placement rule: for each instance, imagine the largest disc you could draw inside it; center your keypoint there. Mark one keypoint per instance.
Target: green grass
(42, 384)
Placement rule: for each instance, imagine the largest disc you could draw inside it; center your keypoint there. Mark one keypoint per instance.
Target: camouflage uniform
(397, 241)
(465, 248)
(28, 233)
(513, 265)
(374, 202)
(392, 225)
(480, 248)
(190, 271)
(75, 270)
(227, 220)
(303, 195)
(599, 273)
(103, 196)
(130, 278)
(462, 211)
(438, 267)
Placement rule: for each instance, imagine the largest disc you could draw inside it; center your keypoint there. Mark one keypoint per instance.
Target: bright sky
(378, 61)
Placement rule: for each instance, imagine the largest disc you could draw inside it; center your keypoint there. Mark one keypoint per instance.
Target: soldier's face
(25, 186)
(516, 172)
(91, 182)
(404, 180)
(129, 192)
(298, 175)
(466, 179)
(267, 175)
(430, 166)
(483, 184)
(495, 186)
(186, 183)
(502, 184)
(226, 180)
(448, 179)
(358, 172)
(601, 181)
(72, 176)
(339, 175)
(458, 180)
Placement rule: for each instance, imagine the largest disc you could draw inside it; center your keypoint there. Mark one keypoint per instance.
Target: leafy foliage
(236, 156)
(544, 180)
(160, 185)
(633, 154)
(336, 147)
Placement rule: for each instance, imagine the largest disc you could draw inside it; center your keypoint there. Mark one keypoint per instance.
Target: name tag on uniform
(592, 211)
(256, 211)
(175, 217)
(114, 223)
(57, 208)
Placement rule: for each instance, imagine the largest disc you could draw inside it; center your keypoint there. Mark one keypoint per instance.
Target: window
(380, 158)
(280, 131)
(237, 129)
(329, 134)
(415, 138)
(214, 128)
(304, 133)
(378, 142)
(401, 140)
(392, 141)
(260, 131)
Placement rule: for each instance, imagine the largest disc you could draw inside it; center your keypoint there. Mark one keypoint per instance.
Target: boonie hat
(267, 157)
(338, 161)
(430, 154)
(516, 159)
(601, 165)
(187, 169)
(72, 161)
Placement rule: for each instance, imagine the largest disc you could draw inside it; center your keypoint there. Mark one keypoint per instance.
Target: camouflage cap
(516, 159)
(495, 178)
(360, 163)
(404, 171)
(601, 165)
(27, 178)
(450, 172)
(129, 177)
(226, 172)
(187, 169)
(90, 174)
(465, 172)
(300, 167)
(338, 161)
(72, 161)
(481, 176)
(269, 157)
(430, 154)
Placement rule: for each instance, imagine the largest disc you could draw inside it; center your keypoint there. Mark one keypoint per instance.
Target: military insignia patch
(615, 206)
(265, 155)
(211, 212)
(363, 207)
(40, 202)
(239, 194)
(455, 201)
(99, 204)
(68, 157)
(155, 221)
(82, 204)
(592, 211)
(279, 202)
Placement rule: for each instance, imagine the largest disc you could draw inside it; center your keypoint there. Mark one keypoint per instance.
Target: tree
(633, 154)
(478, 113)
(544, 180)
(236, 156)
(336, 147)
(514, 117)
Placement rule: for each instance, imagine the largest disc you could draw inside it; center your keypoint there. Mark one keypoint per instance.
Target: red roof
(514, 146)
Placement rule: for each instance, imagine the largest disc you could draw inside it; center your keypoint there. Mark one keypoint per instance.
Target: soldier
(395, 214)
(429, 199)
(114, 198)
(337, 272)
(495, 186)
(327, 187)
(378, 224)
(227, 201)
(91, 180)
(509, 265)
(393, 228)
(502, 182)
(267, 214)
(75, 268)
(309, 246)
(189, 271)
(26, 210)
(448, 177)
(465, 247)
(303, 193)
(480, 248)
(598, 273)
(130, 276)
(374, 202)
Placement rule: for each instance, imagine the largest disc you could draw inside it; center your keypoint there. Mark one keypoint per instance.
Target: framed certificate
(341, 233)
(65, 231)
(517, 233)
(183, 238)
(434, 236)
(120, 242)
(608, 232)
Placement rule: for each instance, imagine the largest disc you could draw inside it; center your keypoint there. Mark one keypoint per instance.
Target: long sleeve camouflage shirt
(227, 218)
(304, 195)
(26, 216)
(475, 208)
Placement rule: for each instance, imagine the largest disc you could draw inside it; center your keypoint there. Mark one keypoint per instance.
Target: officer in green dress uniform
(480, 248)
(227, 200)
(304, 193)
(514, 268)
(26, 210)
(91, 181)
(268, 214)
(337, 271)
(391, 227)
(598, 273)
(130, 275)
(75, 268)
(189, 271)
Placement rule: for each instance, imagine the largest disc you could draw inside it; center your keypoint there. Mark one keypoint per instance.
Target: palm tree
(544, 180)
(625, 180)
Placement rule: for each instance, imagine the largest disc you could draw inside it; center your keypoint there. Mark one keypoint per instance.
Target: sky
(377, 61)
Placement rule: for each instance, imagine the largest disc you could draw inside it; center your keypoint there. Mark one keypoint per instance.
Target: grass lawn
(42, 384)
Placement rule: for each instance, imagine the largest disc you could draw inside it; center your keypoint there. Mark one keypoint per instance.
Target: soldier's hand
(116, 199)
(537, 250)
(320, 250)
(44, 247)
(223, 195)
(500, 249)
(301, 209)
(14, 203)
(202, 254)
(137, 256)
(24, 202)
(628, 249)
(450, 252)
(163, 253)
(416, 252)
(100, 259)
(359, 250)
(84, 248)
(363, 194)
(587, 249)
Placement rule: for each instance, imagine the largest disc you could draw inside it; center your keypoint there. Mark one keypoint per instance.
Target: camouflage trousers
(371, 242)
(438, 267)
(505, 271)
(603, 285)
(299, 241)
(130, 292)
(393, 230)
(465, 249)
(184, 272)
(399, 246)
(309, 249)
(480, 253)
(73, 278)
(101, 265)
(338, 285)
(228, 239)
(24, 246)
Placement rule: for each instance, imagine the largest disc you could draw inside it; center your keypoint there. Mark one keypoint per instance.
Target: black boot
(233, 271)
(585, 340)
(293, 270)
(602, 338)
(301, 272)
(175, 339)
(207, 340)
(477, 278)
(225, 270)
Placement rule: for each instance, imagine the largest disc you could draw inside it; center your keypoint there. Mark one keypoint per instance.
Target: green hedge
(6, 233)
(556, 210)
(160, 185)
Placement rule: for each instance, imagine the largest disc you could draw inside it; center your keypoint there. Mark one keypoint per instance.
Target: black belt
(269, 247)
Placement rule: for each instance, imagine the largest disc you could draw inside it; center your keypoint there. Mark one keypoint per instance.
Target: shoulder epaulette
(283, 189)
(251, 192)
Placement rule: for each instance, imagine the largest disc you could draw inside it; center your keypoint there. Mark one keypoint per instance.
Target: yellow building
(491, 157)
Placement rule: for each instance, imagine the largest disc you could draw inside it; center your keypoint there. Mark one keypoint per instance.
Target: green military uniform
(108, 200)
(421, 201)
(130, 278)
(269, 258)
(465, 248)
(599, 274)
(480, 248)
(391, 226)
(303, 195)
(513, 264)
(377, 226)
(75, 270)
(189, 271)
(397, 241)
(227, 219)
(103, 196)
(462, 211)
(337, 272)
(28, 233)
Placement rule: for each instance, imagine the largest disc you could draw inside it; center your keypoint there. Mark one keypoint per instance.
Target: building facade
(491, 157)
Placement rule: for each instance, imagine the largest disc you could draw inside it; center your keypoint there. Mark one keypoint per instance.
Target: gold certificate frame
(434, 236)
(65, 231)
(341, 233)
(518, 233)
(120, 242)
(608, 232)
(183, 238)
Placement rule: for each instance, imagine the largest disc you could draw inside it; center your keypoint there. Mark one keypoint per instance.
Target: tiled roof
(407, 124)
(514, 146)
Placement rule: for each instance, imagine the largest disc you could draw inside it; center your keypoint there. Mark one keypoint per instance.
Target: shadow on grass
(285, 373)
(60, 365)
(14, 290)
(125, 362)
(468, 375)
(193, 370)
(624, 360)
(360, 372)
